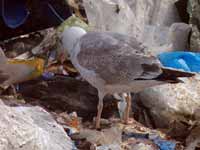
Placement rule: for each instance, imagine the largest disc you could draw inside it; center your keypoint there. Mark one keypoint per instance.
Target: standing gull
(115, 63)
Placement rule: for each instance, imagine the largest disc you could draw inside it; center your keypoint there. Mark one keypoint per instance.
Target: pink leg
(128, 108)
(99, 108)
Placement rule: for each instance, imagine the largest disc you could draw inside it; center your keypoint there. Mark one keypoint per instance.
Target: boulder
(194, 11)
(110, 15)
(63, 93)
(160, 39)
(32, 128)
(171, 102)
(130, 17)
(154, 22)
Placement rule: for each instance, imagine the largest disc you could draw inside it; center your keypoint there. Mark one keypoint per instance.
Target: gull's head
(70, 37)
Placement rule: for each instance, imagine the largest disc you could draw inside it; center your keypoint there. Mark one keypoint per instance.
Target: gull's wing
(116, 58)
(3, 77)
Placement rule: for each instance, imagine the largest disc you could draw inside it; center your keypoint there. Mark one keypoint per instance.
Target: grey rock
(112, 15)
(160, 39)
(109, 147)
(130, 17)
(179, 35)
(194, 11)
(105, 137)
(65, 93)
(170, 102)
(154, 22)
(193, 139)
(32, 128)
(141, 144)
(155, 12)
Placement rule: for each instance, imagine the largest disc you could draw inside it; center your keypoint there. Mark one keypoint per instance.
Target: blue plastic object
(164, 144)
(14, 12)
(187, 61)
(47, 75)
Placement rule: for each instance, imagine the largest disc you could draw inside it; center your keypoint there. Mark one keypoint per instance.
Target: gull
(115, 63)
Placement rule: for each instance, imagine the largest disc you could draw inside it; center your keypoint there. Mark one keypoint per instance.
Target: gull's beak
(61, 58)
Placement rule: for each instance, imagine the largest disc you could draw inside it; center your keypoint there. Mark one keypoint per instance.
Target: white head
(70, 36)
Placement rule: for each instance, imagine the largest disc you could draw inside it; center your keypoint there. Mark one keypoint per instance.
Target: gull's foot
(97, 123)
(102, 124)
(129, 121)
(97, 126)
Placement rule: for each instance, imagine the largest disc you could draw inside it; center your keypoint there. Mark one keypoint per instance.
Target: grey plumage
(115, 63)
(116, 58)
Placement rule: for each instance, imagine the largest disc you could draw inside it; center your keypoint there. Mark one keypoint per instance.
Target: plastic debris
(48, 75)
(164, 144)
(109, 147)
(154, 137)
(70, 122)
(104, 137)
(135, 135)
(14, 13)
(73, 21)
(140, 144)
(15, 71)
(187, 61)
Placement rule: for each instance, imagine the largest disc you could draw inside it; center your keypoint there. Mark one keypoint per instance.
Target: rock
(155, 12)
(62, 93)
(109, 147)
(179, 36)
(153, 22)
(130, 17)
(170, 102)
(105, 137)
(194, 11)
(160, 39)
(195, 39)
(110, 15)
(141, 144)
(193, 140)
(32, 128)
(157, 39)
(181, 6)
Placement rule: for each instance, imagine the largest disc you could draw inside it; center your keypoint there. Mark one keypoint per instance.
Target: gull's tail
(172, 75)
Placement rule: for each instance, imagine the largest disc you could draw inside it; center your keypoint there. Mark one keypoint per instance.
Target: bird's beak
(61, 58)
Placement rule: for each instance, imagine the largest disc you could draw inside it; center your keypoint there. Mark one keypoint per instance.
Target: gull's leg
(14, 91)
(128, 108)
(99, 109)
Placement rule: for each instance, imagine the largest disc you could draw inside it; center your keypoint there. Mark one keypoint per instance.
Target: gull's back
(115, 61)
